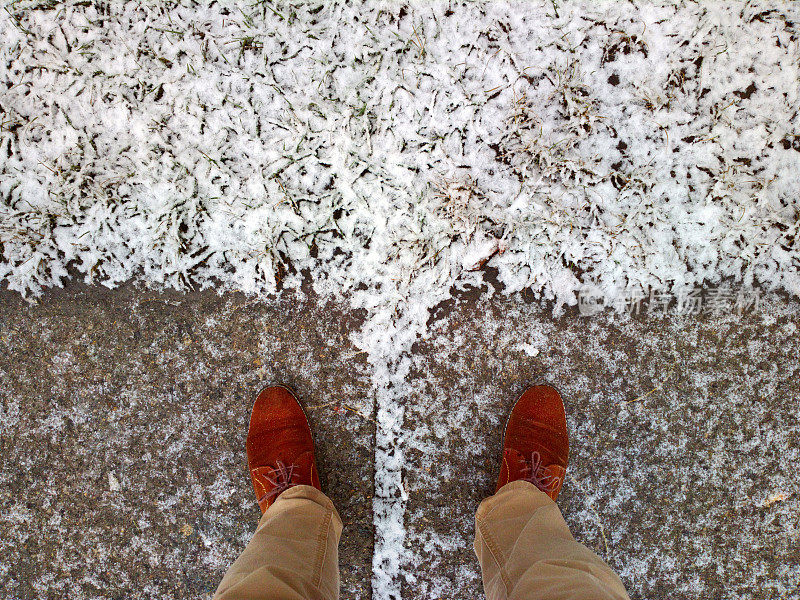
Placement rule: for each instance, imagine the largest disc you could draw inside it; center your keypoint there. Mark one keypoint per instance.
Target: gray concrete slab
(151, 393)
(124, 417)
(684, 443)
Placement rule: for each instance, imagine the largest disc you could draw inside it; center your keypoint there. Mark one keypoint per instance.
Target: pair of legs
(522, 542)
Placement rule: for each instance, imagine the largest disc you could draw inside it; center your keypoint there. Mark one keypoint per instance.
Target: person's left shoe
(280, 448)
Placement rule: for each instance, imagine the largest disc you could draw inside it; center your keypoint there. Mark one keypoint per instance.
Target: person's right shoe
(280, 449)
(535, 443)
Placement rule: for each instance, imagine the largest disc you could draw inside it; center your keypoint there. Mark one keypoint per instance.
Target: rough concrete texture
(123, 428)
(124, 418)
(683, 434)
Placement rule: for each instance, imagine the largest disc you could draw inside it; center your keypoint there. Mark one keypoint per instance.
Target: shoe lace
(280, 478)
(539, 475)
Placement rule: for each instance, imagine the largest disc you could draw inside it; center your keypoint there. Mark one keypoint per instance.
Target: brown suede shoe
(280, 449)
(535, 443)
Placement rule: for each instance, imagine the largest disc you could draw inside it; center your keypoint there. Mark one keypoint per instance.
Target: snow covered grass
(391, 151)
(233, 146)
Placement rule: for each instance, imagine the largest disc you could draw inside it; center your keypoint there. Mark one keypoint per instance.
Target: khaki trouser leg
(294, 553)
(526, 551)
